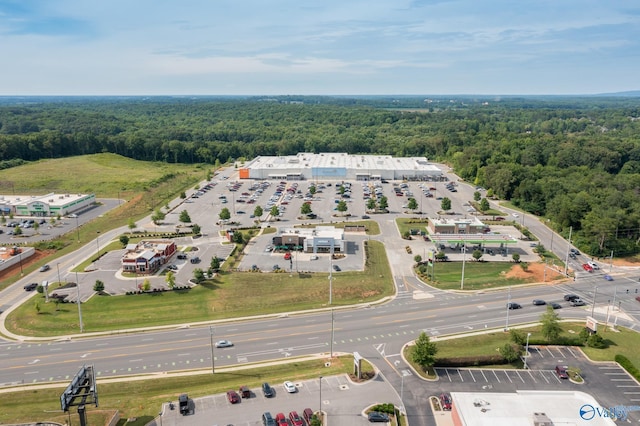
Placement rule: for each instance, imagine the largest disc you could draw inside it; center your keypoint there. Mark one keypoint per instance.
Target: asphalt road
(378, 332)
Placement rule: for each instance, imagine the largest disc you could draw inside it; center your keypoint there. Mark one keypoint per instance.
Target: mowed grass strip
(477, 275)
(231, 295)
(142, 399)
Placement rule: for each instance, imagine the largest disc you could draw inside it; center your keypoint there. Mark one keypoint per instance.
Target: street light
(58, 268)
(77, 229)
(79, 304)
(526, 351)
(98, 244)
(595, 293)
(320, 406)
(506, 327)
(464, 257)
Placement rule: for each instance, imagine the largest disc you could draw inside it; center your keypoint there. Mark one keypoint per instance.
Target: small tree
(417, 258)
(170, 279)
(424, 351)
(342, 207)
(184, 217)
(406, 235)
(198, 275)
(524, 266)
(146, 285)
(305, 209)
(313, 189)
(412, 204)
(440, 255)
(383, 203)
(477, 254)
(98, 286)
(215, 263)
(258, 212)
(275, 211)
(371, 204)
(238, 238)
(157, 217)
(17, 231)
(131, 224)
(509, 352)
(37, 306)
(551, 328)
(124, 240)
(517, 336)
(196, 229)
(484, 205)
(445, 204)
(515, 257)
(224, 214)
(36, 226)
(476, 196)
(183, 195)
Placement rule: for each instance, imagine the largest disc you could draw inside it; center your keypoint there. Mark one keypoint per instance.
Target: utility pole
(566, 260)
(79, 303)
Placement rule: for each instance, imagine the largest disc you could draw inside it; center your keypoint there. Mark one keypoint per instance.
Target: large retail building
(45, 205)
(340, 166)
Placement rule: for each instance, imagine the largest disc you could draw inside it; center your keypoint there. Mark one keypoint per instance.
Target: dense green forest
(575, 161)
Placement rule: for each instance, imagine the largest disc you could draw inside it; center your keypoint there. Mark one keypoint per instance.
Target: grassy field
(144, 186)
(235, 294)
(623, 341)
(143, 399)
(477, 275)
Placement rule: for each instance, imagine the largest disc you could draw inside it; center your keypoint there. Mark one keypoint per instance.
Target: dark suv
(571, 297)
(561, 371)
(267, 390)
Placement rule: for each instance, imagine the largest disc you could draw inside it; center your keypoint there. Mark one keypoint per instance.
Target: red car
(445, 401)
(587, 267)
(296, 420)
(281, 420)
(287, 256)
(233, 397)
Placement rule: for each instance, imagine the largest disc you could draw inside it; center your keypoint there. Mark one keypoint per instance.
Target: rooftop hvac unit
(541, 419)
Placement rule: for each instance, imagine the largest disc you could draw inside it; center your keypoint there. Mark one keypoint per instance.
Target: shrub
(470, 360)
(627, 365)
(596, 341)
(387, 407)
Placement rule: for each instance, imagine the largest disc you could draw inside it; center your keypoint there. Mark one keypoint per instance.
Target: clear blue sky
(327, 47)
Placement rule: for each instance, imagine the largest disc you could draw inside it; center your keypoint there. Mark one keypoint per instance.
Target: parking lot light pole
(79, 303)
(320, 406)
(526, 351)
(593, 305)
(506, 327)
(58, 268)
(77, 229)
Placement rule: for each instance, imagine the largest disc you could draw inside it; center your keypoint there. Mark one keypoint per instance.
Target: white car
(223, 344)
(514, 214)
(289, 387)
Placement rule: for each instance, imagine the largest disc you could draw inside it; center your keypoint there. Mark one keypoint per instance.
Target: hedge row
(628, 365)
(471, 361)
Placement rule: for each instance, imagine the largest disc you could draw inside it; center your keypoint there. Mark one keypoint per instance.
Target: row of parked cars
(573, 299)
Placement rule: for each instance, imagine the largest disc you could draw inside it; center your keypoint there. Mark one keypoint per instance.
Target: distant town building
(321, 239)
(49, 205)
(147, 256)
(340, 166)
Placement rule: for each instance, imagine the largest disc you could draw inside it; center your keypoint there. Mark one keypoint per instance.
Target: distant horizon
(256, 48)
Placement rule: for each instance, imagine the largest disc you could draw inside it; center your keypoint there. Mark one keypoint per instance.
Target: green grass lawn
(143, 399)
(407, 224)
(230, 295)
(477, 275)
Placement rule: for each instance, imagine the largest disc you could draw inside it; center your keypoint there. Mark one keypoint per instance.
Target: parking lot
(607, 382)
(343, 400)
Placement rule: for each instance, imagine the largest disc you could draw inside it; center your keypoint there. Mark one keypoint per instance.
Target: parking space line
(560, 351)
(447, 370)
(531, 375)
(518, 374)
(485, 377)
(621, 380)
(471, 373)
(543, 375)
(494, 373)
(549, 351)
(575, 355)
(537, 350)
(505, 373)
(460, 374)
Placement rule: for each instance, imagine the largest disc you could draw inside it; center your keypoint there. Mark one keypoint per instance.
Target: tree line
(575, 161)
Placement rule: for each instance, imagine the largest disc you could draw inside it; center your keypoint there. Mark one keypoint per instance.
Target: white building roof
(519, 408)
(342, 160)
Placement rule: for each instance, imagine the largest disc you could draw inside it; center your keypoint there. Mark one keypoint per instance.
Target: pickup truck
(183, 403)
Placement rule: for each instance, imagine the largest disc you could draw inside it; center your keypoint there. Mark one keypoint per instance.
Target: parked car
(578, 302)
(561, 371)
(224, 344)
(195, 259)
(513, 305)
(287, 256)
(295, 419)
(570, 297)
(377, 417)
(539, 302)
(267, 390)
(336, 268)
(245, 392)
(289, 387)
(307, 413)
(233, 397)
(445, 401)
(281, 420)
(182, 256)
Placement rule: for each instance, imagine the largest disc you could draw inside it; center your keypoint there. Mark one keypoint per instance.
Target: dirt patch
(15, 269)
(534, 273)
